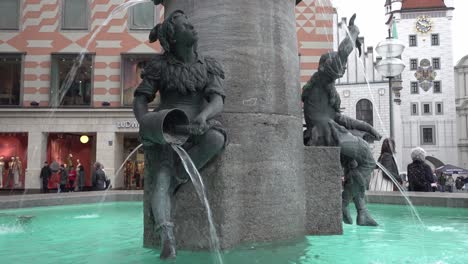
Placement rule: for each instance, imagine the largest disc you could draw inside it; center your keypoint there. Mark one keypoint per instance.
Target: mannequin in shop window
(128, 174)
(78, 89)
(11, 173)
(18, 172)
(2, 170)
(70, 160)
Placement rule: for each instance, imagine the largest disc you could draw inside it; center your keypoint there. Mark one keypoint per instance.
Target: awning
(451, 169)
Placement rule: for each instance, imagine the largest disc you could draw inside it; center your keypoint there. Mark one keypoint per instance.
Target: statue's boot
(345, 209)
(168, 244)
(363, 216)
(346, 214)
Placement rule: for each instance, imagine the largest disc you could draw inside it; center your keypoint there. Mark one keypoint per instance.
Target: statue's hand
(376, 134)
(199, 126)
(145, 131)
(353, 29)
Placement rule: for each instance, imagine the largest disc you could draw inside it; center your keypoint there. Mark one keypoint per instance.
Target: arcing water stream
(200, 189)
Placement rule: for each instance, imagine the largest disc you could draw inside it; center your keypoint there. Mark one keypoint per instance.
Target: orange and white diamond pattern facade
(40, 36)
(314, 24)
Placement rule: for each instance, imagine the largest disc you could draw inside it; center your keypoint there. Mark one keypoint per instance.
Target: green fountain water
(113, 233)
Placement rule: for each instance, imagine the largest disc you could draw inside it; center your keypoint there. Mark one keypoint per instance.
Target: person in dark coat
(46, 172)
(100, 181)
(388, 161)
(81, 178)
(419, 173)
(459, 183)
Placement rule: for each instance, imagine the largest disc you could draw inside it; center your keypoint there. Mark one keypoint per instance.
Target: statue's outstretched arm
(350, 123)
(350, 42)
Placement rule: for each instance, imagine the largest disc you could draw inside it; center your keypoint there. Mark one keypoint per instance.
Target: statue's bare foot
(168, 245)
(168, 251)
(347, 216)
(364, 219)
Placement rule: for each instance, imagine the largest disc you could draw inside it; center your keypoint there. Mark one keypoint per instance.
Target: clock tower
(426, 116)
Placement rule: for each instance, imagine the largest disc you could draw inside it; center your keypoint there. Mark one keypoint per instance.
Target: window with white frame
(132, 66)
(414, 109)
(436, 63)
(75, 14)
(413, 64)
(142, 16)
(364, 111)
(437, 87)
(413, 41)
(71, 82)
(435, 39)
(427, 135)
(9, 14)
(426, 108)
(439, 108)
(414, 87)
(10, 79)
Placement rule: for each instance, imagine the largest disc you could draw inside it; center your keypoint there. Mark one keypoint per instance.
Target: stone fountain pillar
(256, 187)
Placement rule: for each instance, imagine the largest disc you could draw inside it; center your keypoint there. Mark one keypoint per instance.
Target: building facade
(461, 84)
(315, 34)
(66, 72)
(67, 75)
(427, 112)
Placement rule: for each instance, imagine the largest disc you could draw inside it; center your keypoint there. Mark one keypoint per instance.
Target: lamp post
(390, 67)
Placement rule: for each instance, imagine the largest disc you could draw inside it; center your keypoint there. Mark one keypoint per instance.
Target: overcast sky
(370, 17)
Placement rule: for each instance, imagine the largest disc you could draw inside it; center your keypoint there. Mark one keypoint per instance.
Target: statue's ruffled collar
(171, 59)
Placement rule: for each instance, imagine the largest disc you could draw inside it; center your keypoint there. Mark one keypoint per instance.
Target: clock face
(423, 24)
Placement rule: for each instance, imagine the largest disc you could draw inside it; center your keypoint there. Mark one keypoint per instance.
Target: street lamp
(390, 67)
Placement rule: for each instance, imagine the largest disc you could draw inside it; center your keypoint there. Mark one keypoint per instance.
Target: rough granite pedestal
(243, 215)
(257, 187)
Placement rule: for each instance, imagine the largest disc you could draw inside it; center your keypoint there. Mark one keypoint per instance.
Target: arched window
(364, 111)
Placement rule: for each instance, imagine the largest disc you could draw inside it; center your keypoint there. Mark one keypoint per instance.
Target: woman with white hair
(419, 173)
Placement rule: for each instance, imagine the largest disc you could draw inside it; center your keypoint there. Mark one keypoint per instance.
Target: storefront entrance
(13, 160)
(134, 167)
(71, 149)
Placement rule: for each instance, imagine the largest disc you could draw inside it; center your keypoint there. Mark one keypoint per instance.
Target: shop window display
(134, 174)
(67, 149)
(2, 169)
(13, 160)
(66, 91)
(10, 79)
